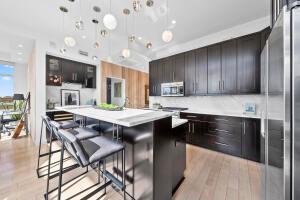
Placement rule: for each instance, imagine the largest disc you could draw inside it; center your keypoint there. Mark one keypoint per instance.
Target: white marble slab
(177, 122)
(127, 117)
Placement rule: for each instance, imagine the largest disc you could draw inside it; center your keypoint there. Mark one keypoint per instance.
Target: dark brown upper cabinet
(167, 70)
(248, 60)
(60, 70)
(53, 71)
(72, 71)
(190, 75)
(201, 72)
(178, 68)
(229, 67)
(214, 69)
(89, 76)
(155, 78)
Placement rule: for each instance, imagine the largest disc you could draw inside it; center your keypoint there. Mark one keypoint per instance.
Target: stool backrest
(74, 147)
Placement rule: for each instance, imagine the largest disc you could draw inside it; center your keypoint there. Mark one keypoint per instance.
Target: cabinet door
(154, 78)
(251, 139)
(214, 69)
(89, 76)
(72, 71)
(229, 68)
(190, 69)
(201, 71)
(178, 68)
(249, 64)
(167, 71)
(53, 71)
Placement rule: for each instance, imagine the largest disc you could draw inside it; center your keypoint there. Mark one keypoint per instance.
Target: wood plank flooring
(209, 176)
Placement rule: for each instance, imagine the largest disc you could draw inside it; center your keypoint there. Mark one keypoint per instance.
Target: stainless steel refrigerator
(281, 122)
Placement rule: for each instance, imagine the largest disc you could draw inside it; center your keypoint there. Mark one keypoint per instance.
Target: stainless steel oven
(175, 89)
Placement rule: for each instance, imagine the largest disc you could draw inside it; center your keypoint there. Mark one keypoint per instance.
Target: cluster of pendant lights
(110, 22)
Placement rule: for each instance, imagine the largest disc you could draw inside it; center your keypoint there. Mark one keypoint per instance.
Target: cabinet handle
(223, 85)
(219, 119)
(191, 116)
(193, 128)
(219, 85)
(189, 127)
(244, 131)
(173, 76)
(194, 87)
(220, 143)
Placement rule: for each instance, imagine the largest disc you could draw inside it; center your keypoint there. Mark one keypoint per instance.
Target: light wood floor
(209, 176)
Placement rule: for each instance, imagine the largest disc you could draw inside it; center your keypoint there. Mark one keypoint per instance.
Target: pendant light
(126, 51)
(79, 25)
(96, 43)
(109, 20)
(137, 6)
(167, 35)
(64, 10)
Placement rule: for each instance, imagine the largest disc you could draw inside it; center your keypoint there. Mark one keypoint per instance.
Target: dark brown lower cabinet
(251, 139)
(231, 135)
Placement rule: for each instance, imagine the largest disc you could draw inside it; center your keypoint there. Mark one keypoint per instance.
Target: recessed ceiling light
(20, 53)
(103, 33)
(62, 50)
(97, 9)
(140, 38)
(83, 36)
(70, 41)
(20, 45)
(173, 21)
(95, 57)
(149, 45)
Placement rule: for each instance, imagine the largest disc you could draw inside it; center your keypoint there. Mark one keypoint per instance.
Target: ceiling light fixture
(149, 45)
(96, 9)
(95, 57)
(79, 25)
(109, 20)
(173, 21)
(64, 10)
(96, 43)
(126, 51)
(83, 36)
(167, 35)
(20, 45)
(69, 41)
(132, 38)
(20, 53)
(140, 38)
(137, 6)
(103, 33)
(149, 3)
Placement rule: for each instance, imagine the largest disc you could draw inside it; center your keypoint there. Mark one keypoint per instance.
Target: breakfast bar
(149, 142)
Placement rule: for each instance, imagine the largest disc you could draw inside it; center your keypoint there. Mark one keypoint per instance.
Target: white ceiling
(195, 19)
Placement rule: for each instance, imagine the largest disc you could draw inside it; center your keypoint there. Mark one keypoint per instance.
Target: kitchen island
(149, 142)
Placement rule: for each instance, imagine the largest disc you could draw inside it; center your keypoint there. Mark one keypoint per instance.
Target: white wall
(20, 79)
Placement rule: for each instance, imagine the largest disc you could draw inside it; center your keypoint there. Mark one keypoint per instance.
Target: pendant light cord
(167, 13)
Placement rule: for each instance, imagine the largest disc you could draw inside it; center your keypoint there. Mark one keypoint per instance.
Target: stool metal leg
(38, 163)
(49, 164)
(123, 173)
(104, 170)
(61, 171)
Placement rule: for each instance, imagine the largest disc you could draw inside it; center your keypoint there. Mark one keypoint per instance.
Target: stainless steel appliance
(175, 89)
(282, 107)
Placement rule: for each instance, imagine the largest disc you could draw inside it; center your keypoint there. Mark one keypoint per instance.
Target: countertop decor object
(108, 107)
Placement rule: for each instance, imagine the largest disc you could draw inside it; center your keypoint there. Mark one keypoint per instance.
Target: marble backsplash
(212, 104)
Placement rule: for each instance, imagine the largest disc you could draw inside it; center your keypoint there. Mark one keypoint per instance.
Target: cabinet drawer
(221, 144)
(225, 119)
(193, 117)
(225, 130)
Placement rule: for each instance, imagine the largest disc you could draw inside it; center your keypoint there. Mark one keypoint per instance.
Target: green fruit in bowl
(107, 106)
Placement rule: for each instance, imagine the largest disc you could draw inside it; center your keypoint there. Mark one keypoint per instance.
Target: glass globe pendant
(167, 36)
(110, 21)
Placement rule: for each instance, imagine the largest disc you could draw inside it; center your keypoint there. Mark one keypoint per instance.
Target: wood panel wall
(135, 83)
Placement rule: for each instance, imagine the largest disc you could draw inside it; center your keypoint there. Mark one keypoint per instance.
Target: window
(6, 80)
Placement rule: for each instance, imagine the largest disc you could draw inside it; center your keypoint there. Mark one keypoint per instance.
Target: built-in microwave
(175, 89)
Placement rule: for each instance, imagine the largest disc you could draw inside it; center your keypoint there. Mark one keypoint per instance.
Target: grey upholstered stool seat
(103, 127)
(83, 133)
(100, 147)
(65, 124)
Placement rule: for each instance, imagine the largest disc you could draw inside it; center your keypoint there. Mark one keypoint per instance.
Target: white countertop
(230, 114)
(127, 117)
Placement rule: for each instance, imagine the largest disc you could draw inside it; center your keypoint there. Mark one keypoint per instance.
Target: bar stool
(79, 133)
(89, 151)
(69, 124)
